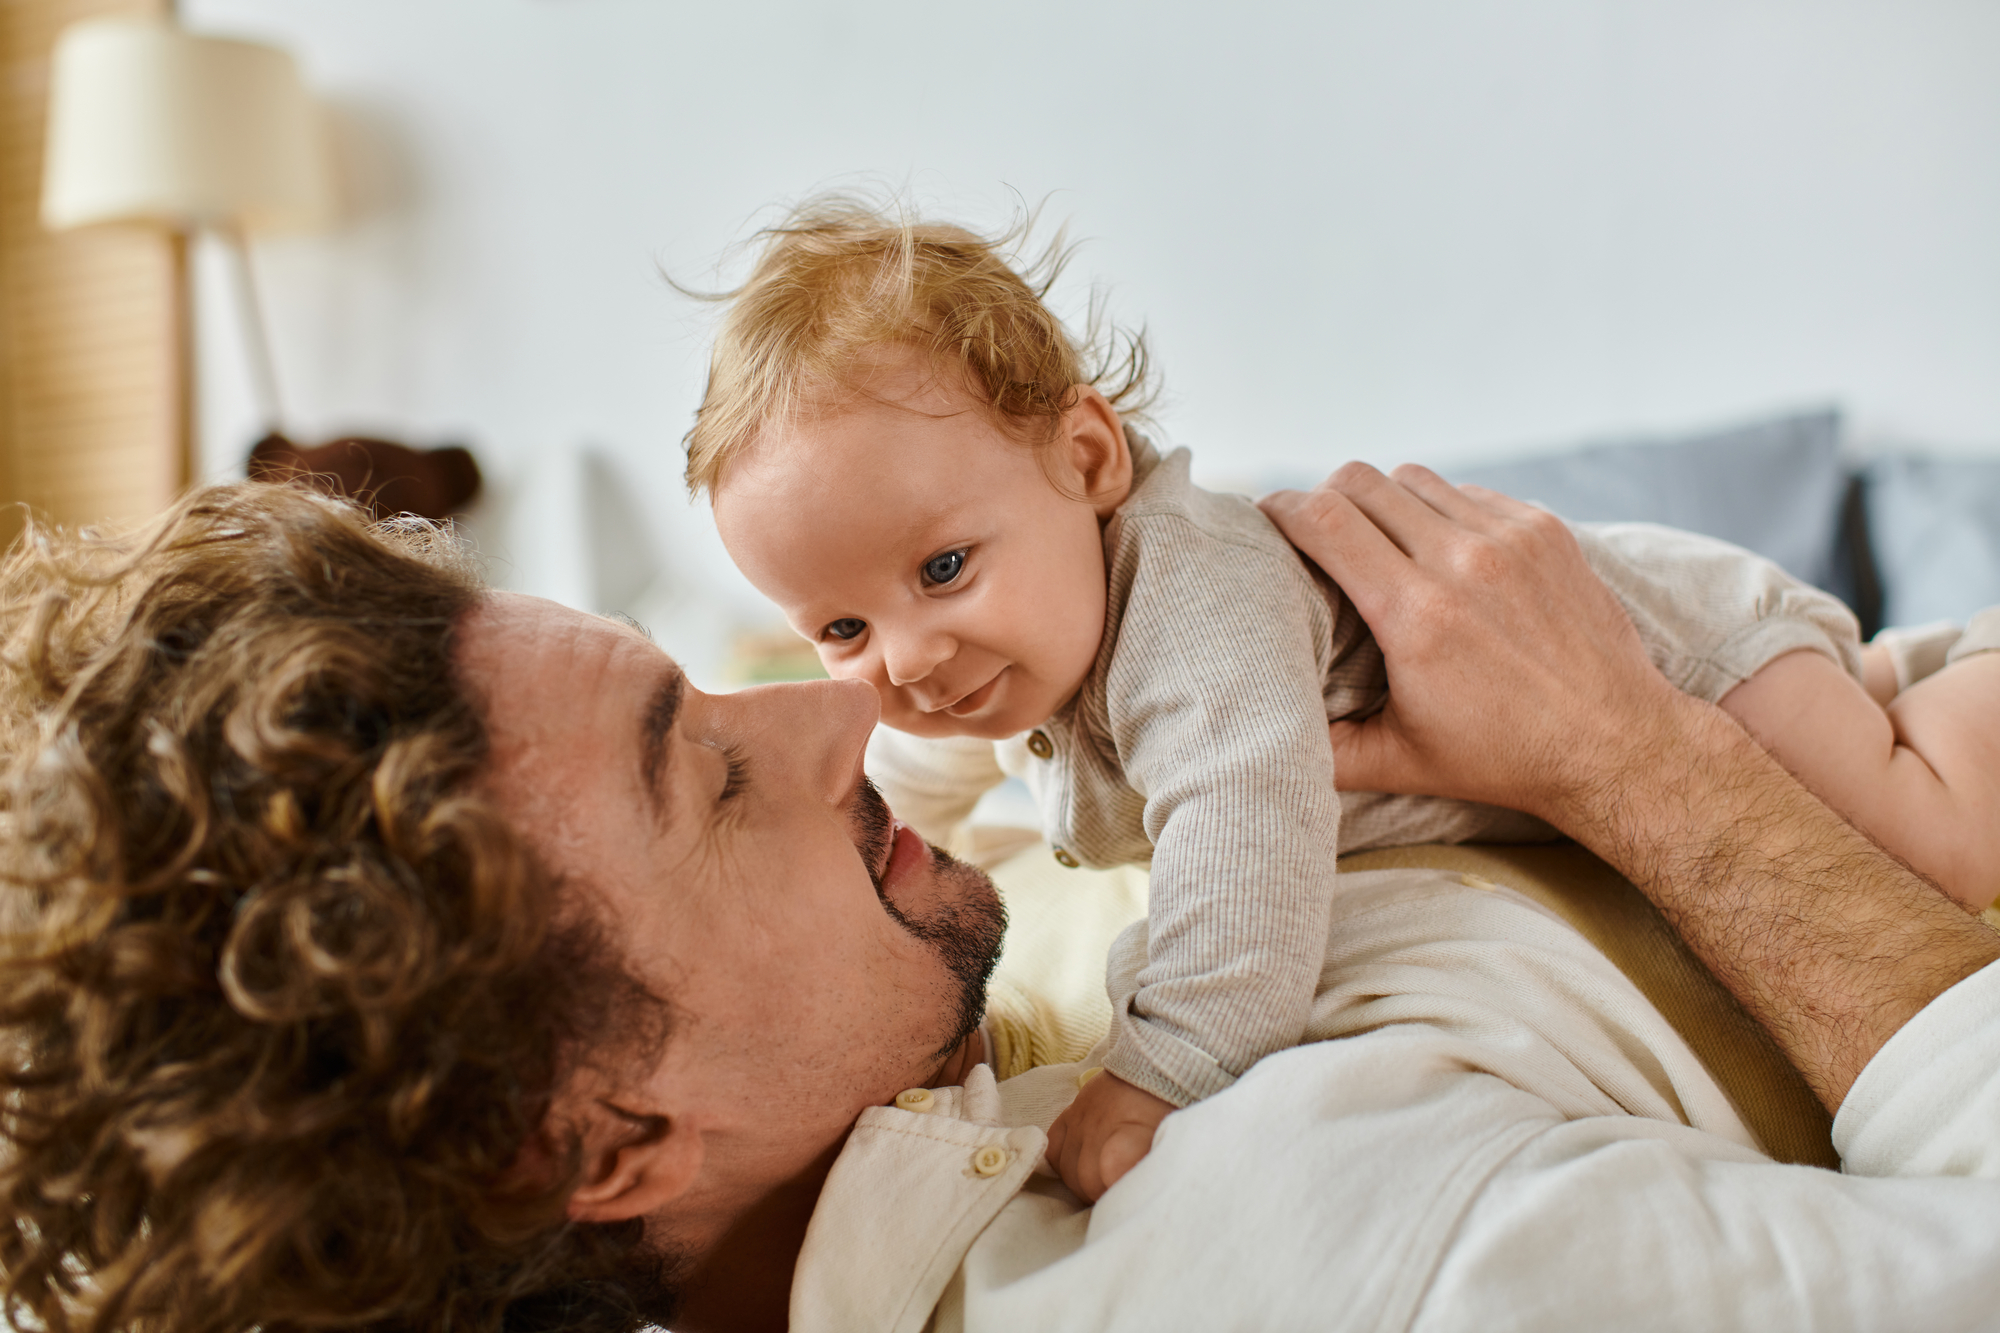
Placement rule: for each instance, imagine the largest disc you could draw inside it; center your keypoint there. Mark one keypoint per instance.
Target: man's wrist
(1623, 781)
(1827, 941)
(1647, 783)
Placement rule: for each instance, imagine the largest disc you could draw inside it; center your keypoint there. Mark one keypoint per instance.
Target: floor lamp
(150, 124)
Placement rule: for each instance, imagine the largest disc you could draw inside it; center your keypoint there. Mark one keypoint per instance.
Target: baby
(906, 453)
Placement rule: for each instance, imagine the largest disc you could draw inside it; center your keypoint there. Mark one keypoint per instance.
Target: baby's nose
(909, 660)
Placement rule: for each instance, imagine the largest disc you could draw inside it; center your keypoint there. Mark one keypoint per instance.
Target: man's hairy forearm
(1516, 677)
(1826, 940)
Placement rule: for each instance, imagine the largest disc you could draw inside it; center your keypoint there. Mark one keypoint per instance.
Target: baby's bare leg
(1898, 658)
(1921, 777)
(1878, 673)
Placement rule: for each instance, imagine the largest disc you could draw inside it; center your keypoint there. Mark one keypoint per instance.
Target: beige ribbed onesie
(1198, 745)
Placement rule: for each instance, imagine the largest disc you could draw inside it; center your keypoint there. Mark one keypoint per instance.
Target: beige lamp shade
(148, 123)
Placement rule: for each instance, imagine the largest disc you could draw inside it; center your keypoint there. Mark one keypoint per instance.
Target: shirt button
(919, 1100)
(1064, 858)
(1089, 1074)
(1477, 882)
(1038, 745)
(990, 1161)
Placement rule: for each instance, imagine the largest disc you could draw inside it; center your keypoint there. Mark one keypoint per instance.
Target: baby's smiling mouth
(977, 699)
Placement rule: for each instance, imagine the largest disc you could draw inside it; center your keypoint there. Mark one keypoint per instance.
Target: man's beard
(966, 929)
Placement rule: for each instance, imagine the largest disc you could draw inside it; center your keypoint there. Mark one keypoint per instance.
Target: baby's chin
(1015, 701)
(995, 724)
(940, 725)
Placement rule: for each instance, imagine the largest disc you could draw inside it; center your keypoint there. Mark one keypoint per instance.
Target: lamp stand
(186, 414)
(256, 339)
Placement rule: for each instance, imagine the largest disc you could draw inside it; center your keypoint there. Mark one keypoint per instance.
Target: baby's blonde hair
(842, 277)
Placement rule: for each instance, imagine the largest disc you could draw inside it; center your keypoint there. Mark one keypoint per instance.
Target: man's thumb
(1371, 756)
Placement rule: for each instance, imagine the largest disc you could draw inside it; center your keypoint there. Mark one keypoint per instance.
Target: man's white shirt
(1490, 1128)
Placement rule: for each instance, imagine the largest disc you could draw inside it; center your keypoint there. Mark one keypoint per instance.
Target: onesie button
(990, 1161)
(1477, 882)
(1089, 1074)
(1063, 858)
(1038, 745)
(919, 1100)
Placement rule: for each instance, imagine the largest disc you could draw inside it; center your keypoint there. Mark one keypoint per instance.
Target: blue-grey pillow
(1935, 526)
(1776, 487)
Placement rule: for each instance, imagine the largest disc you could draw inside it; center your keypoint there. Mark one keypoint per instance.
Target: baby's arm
(1214, 710)
(1921, 777)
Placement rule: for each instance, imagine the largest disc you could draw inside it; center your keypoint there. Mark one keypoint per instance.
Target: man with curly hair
(383, 952)
(304, 1033)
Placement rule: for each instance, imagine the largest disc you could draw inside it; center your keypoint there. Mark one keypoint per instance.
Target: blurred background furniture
(94, 395)
(1904, 538)
(1456, 233)
(383, 476)
(149, 124)
(153, 125)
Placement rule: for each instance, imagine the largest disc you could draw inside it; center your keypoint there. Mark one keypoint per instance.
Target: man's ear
(633, 1164)
(1095, 454)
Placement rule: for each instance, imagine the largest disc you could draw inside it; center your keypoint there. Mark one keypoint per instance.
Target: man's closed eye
(736, 778)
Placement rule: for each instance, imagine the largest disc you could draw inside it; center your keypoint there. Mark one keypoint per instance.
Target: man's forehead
(504, 630)
(554, 679)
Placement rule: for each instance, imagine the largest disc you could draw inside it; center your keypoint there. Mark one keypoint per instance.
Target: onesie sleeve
(1214, 706)
(930, 783)
(1711, 614)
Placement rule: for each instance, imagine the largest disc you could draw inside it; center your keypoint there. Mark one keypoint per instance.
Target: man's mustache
(873, 828)
(966, 930)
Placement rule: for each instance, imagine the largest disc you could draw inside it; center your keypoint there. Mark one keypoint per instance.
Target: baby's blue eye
(846, 627)
(944, 568)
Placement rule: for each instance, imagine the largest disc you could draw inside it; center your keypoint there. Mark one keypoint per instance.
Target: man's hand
(1466, 589)
(1516, 678)
(1103, 1134)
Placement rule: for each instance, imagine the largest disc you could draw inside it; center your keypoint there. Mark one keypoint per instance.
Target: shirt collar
(912, 1189)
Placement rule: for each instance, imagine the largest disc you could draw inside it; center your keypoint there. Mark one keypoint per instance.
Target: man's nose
(908, 657)
(834, 719)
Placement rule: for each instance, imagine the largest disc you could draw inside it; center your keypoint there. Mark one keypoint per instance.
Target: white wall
(1427, 228)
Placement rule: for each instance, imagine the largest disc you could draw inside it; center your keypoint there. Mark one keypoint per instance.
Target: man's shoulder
(941, 1208)
(912, 1189)
(1230, 1221)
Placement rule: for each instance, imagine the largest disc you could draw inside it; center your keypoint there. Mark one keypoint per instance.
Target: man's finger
(1354, 752)
(1339, 538)
(1373, 756)
(1499, 503)
(1466, 506)
(1409, 522)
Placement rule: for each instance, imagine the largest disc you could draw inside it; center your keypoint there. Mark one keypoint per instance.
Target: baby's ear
(1098, 457)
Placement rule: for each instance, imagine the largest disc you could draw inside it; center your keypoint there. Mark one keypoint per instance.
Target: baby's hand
(1104, 1133)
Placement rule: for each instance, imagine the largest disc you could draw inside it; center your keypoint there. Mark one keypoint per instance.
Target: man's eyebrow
(656, 726)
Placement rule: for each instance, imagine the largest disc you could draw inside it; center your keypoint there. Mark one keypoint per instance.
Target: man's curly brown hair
(281, 995)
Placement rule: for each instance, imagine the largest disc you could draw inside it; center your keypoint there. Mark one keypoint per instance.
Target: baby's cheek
(839, 665)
